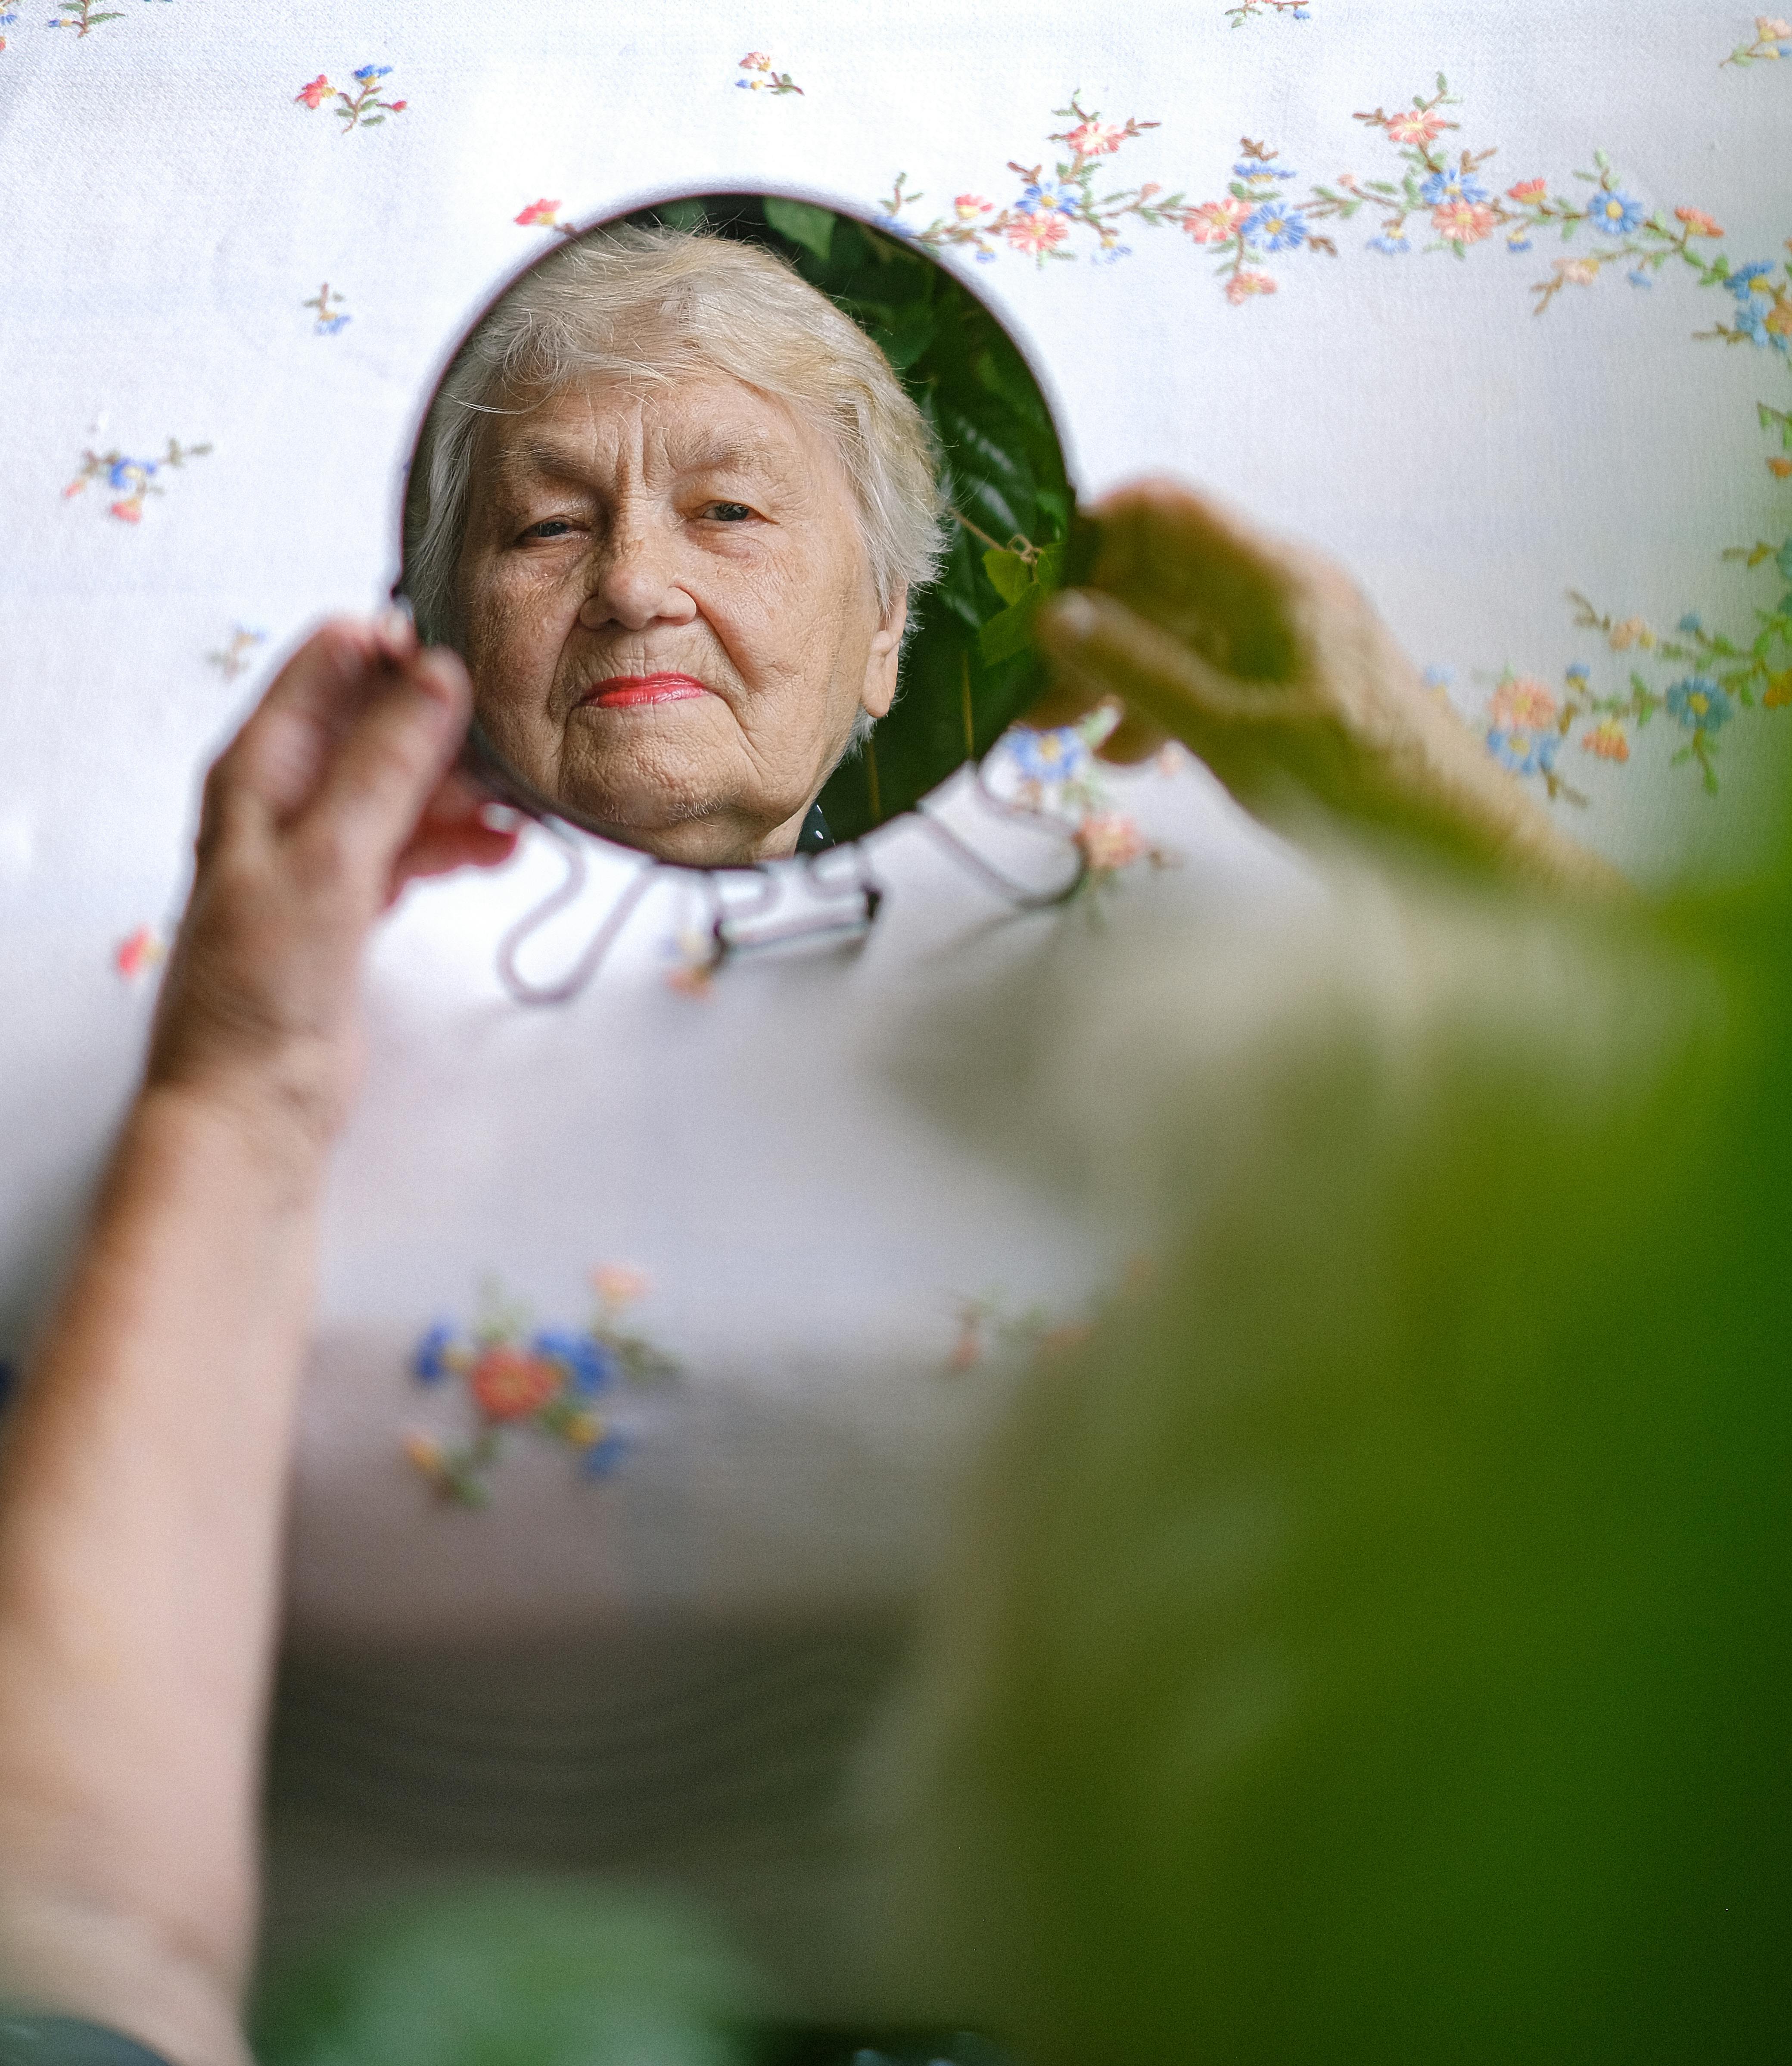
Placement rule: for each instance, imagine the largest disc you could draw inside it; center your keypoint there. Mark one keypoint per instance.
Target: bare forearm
(141, 1511)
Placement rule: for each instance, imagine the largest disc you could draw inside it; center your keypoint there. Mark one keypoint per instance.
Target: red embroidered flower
(129, 510)
(539, 211)
(510, 1384)
(1464, 222)
(1697, 220)
(316, 95)
(1215, 221)
(398, 106)
(1527, 190)
(1243, 286)
(1417, 127)
(1043, 232)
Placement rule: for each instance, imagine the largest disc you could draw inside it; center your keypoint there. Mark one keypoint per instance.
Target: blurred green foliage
(969, 669)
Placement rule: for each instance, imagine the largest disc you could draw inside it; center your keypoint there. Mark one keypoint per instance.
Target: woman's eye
(727, 512)
(549, 527)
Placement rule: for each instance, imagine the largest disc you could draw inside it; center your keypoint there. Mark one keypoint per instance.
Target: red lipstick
(628, 691)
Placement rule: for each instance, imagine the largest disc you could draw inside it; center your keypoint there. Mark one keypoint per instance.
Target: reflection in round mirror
(739, 510)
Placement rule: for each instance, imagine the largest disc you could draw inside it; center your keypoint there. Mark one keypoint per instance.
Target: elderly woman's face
(668, 612)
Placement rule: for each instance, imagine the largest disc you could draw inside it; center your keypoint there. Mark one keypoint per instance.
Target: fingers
(1100, 642)
(460, 828)
(1071, 697)
(1201, 569)
(387, 766)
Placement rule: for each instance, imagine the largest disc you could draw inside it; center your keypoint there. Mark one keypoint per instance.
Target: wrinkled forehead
(607, 432)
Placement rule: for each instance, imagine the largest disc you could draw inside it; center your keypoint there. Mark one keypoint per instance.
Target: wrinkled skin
(699, 528)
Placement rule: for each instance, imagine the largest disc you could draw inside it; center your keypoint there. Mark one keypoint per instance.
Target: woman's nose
(636, 584)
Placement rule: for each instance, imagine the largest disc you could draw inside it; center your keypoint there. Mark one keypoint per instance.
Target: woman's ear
(879, 691)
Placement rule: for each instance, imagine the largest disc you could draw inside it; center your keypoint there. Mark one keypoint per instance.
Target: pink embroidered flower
(129, 510)
(755, 61)
(143, 949)
(1522, 704)
(316, 95)
(1039, 234)
(1215, 221)
(510, 1384)
(1527, 190)
(1778, 319)
(1095, 139)
(1110, 841)
(1697, 220)
(1633, 631)
(1243, 286)
(1417, 127)
(539, 211)
(1464, 222)
(1577, 271)
(399, 106)
(1608, 741)
(969, 206)
(616, 1284)
(1771, 28)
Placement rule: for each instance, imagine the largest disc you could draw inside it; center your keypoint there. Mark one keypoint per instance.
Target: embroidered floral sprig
(1763, 311)
(331, 315)
(1255, 220)
(1446, 190)
(234, 657)
(361, 108)
(1055, 772)
(1041, 220)
(1710, 679)
(79, 15)
(1248, 10)
(545, 215)
(132, 478)
(1772, 39)
(760, 77)
(549, 1382)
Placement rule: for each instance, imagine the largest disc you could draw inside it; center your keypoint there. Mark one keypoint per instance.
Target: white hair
(649, 305)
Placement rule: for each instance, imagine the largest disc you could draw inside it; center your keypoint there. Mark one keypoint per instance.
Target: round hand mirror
(738, 509)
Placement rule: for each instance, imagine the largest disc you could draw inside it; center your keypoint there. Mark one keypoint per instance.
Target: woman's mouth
(629, 691)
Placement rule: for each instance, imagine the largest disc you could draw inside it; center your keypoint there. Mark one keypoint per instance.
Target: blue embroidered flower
(1692, 624)
(369, 73)
(1617, 214)
(1524, 752)
(1254, 168)
(431, 1363)
(1439, 678)
(602, 1456)
(1442, 188)
(1698, 705)
(1580, 673)
(1390, 247)
(328, 325)
(1061, 756)
(1752, 322)
(1517, 244)
(590, 1366)
(1638, 277)
(1048, 197)
(1741, 283)
(1274, 227)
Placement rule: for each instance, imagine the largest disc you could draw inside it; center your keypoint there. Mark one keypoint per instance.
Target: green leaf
(1011, 632)
(802, 223)
(1009, 574)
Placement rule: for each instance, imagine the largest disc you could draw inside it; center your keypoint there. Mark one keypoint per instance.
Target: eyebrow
(558, 461)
